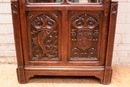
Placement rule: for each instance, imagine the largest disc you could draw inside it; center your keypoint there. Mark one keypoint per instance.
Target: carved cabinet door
(43, 37)
(87, 37)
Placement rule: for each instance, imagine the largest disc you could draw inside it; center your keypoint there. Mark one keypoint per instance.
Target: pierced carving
(84, 33)
(44, 37)
(15, 9)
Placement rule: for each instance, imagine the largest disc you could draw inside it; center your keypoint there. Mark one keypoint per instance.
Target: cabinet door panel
(85, 30)
(43, 35)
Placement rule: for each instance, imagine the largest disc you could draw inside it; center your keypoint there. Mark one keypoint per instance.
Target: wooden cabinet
(64, 38)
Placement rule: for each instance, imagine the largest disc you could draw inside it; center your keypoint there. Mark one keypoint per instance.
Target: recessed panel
(85, 28)
(44, 33)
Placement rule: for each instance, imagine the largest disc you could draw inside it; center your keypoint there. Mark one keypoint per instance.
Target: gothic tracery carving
(84, 33)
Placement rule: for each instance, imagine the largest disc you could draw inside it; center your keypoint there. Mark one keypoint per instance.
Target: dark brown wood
(110, 45)
(55, 38)
(18, 45)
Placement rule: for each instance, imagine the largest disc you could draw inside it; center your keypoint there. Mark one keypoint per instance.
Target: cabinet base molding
(30, 71)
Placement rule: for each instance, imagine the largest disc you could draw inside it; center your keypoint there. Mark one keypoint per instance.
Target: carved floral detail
(44, 37)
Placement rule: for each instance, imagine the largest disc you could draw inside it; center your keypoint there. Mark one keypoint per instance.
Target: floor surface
(8, 78)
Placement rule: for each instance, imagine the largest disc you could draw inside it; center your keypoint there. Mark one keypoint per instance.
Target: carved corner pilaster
(111, 32)
(110, 45)
(18, 43)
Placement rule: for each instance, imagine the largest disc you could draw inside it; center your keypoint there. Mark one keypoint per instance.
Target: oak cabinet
(64, 38)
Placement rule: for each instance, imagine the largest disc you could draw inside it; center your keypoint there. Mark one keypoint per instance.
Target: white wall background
(121, 53)
(122, 38)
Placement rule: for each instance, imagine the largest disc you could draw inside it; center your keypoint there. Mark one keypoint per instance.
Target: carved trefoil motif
(14, 8)
(84, 36)
(114, 9)
(44, 35)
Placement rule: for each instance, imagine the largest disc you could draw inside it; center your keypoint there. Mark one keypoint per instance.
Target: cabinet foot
(107, 77)
(21, 76)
